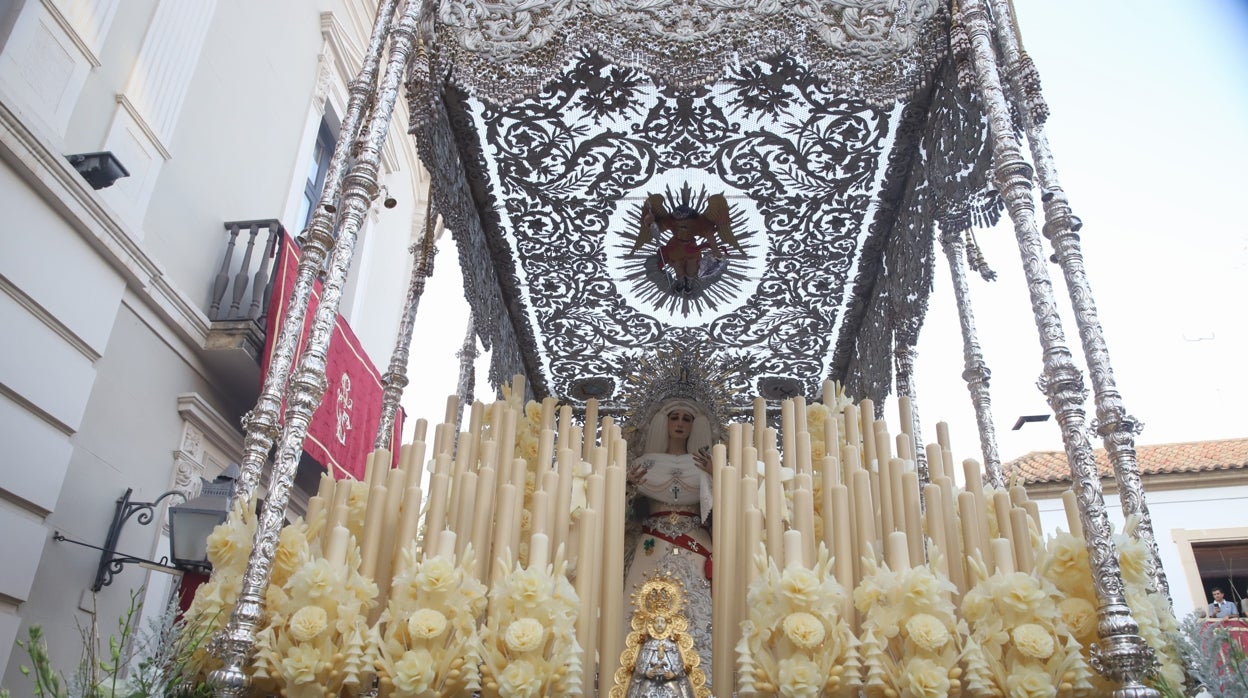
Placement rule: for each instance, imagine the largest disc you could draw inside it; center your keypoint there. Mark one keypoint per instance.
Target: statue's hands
(703, 460)
(635, 474)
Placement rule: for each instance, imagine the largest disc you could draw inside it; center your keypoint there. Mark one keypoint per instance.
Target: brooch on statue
(648, 545)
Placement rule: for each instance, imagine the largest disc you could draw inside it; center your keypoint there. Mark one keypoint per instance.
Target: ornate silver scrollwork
(975, 371)
(307, 384)
(395, 379)
(262, 423)
(1123, 656)
(1116, 428)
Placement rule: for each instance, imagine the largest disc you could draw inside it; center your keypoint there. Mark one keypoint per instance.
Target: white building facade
(127, 363)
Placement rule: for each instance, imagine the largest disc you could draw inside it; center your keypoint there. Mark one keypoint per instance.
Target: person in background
(1222, 607)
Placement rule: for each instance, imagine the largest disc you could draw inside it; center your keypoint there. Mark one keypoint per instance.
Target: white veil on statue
(699, 436)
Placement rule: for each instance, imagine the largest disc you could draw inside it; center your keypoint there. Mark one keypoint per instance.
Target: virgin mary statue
(672, 483)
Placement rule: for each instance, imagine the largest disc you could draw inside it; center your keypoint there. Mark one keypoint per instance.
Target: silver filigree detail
(504, 50)
(1124, 656)
(307, 383)
(975, 370)
(395, 379)
(1116, 428)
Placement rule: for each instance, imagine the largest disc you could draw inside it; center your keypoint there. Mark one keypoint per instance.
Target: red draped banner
(342, 430)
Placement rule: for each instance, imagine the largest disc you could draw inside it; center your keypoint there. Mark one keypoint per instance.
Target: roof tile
(1157, 459)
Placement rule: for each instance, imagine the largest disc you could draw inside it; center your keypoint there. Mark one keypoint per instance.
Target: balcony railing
(239, 307)
(231, 300)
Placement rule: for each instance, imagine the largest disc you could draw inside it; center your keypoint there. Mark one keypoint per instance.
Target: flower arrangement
(529, 638)
(910, 637)
(1018, 644)
(1064, 562)
(316, 640)
(229, 545)
(795, 642)
(1150, 609)
(429, 644)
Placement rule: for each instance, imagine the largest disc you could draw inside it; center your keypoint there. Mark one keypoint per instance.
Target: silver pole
(1116, 427)
(261, 423)
(975, 370)
(396, 376)
(1122, 655)
(308, 383)
(903, 363)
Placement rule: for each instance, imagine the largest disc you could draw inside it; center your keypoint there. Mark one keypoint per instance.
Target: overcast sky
(1149, 126)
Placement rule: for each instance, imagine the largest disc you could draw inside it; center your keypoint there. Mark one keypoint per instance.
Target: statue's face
(679, 424)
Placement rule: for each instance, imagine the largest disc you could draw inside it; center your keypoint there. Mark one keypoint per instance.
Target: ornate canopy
(807, 151)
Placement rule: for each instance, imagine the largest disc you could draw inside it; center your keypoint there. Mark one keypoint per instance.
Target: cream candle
(760, 423)
(971, 545)
(565, 428)
(788, 436)
(1071, 505)
(752, 544)
(591, 427)
(897, 551)
(942, 436)
(935, 463)
(1003, 556)
(775, 510)
(563, 499)
(852, 435)
(804, 516)
(336, 548)
(415, 470)
(611, 638)
(586, 561)
(1024, 554)
(446, 545)
(483, 517)
(866, 520)
(792, 549)
(804, 464)
(504, 553)
(539, 551)
(866, 415)
(935, 519)
(373, 520)
(409, 524)
(836, 507)
(548, 413)
(914, 521)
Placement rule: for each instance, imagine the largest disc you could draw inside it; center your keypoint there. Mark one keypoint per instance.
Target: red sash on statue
(682, 541)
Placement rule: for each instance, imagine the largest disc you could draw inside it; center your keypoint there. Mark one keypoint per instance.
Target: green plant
(159, 658)
(1214, 658)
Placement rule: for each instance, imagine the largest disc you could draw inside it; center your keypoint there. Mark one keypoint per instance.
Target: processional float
(570, 118)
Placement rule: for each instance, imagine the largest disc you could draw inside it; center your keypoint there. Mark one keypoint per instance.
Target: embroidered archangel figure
(697, 240)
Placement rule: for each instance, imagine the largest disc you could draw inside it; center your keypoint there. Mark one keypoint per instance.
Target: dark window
(1223, 564)
(322, 151)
